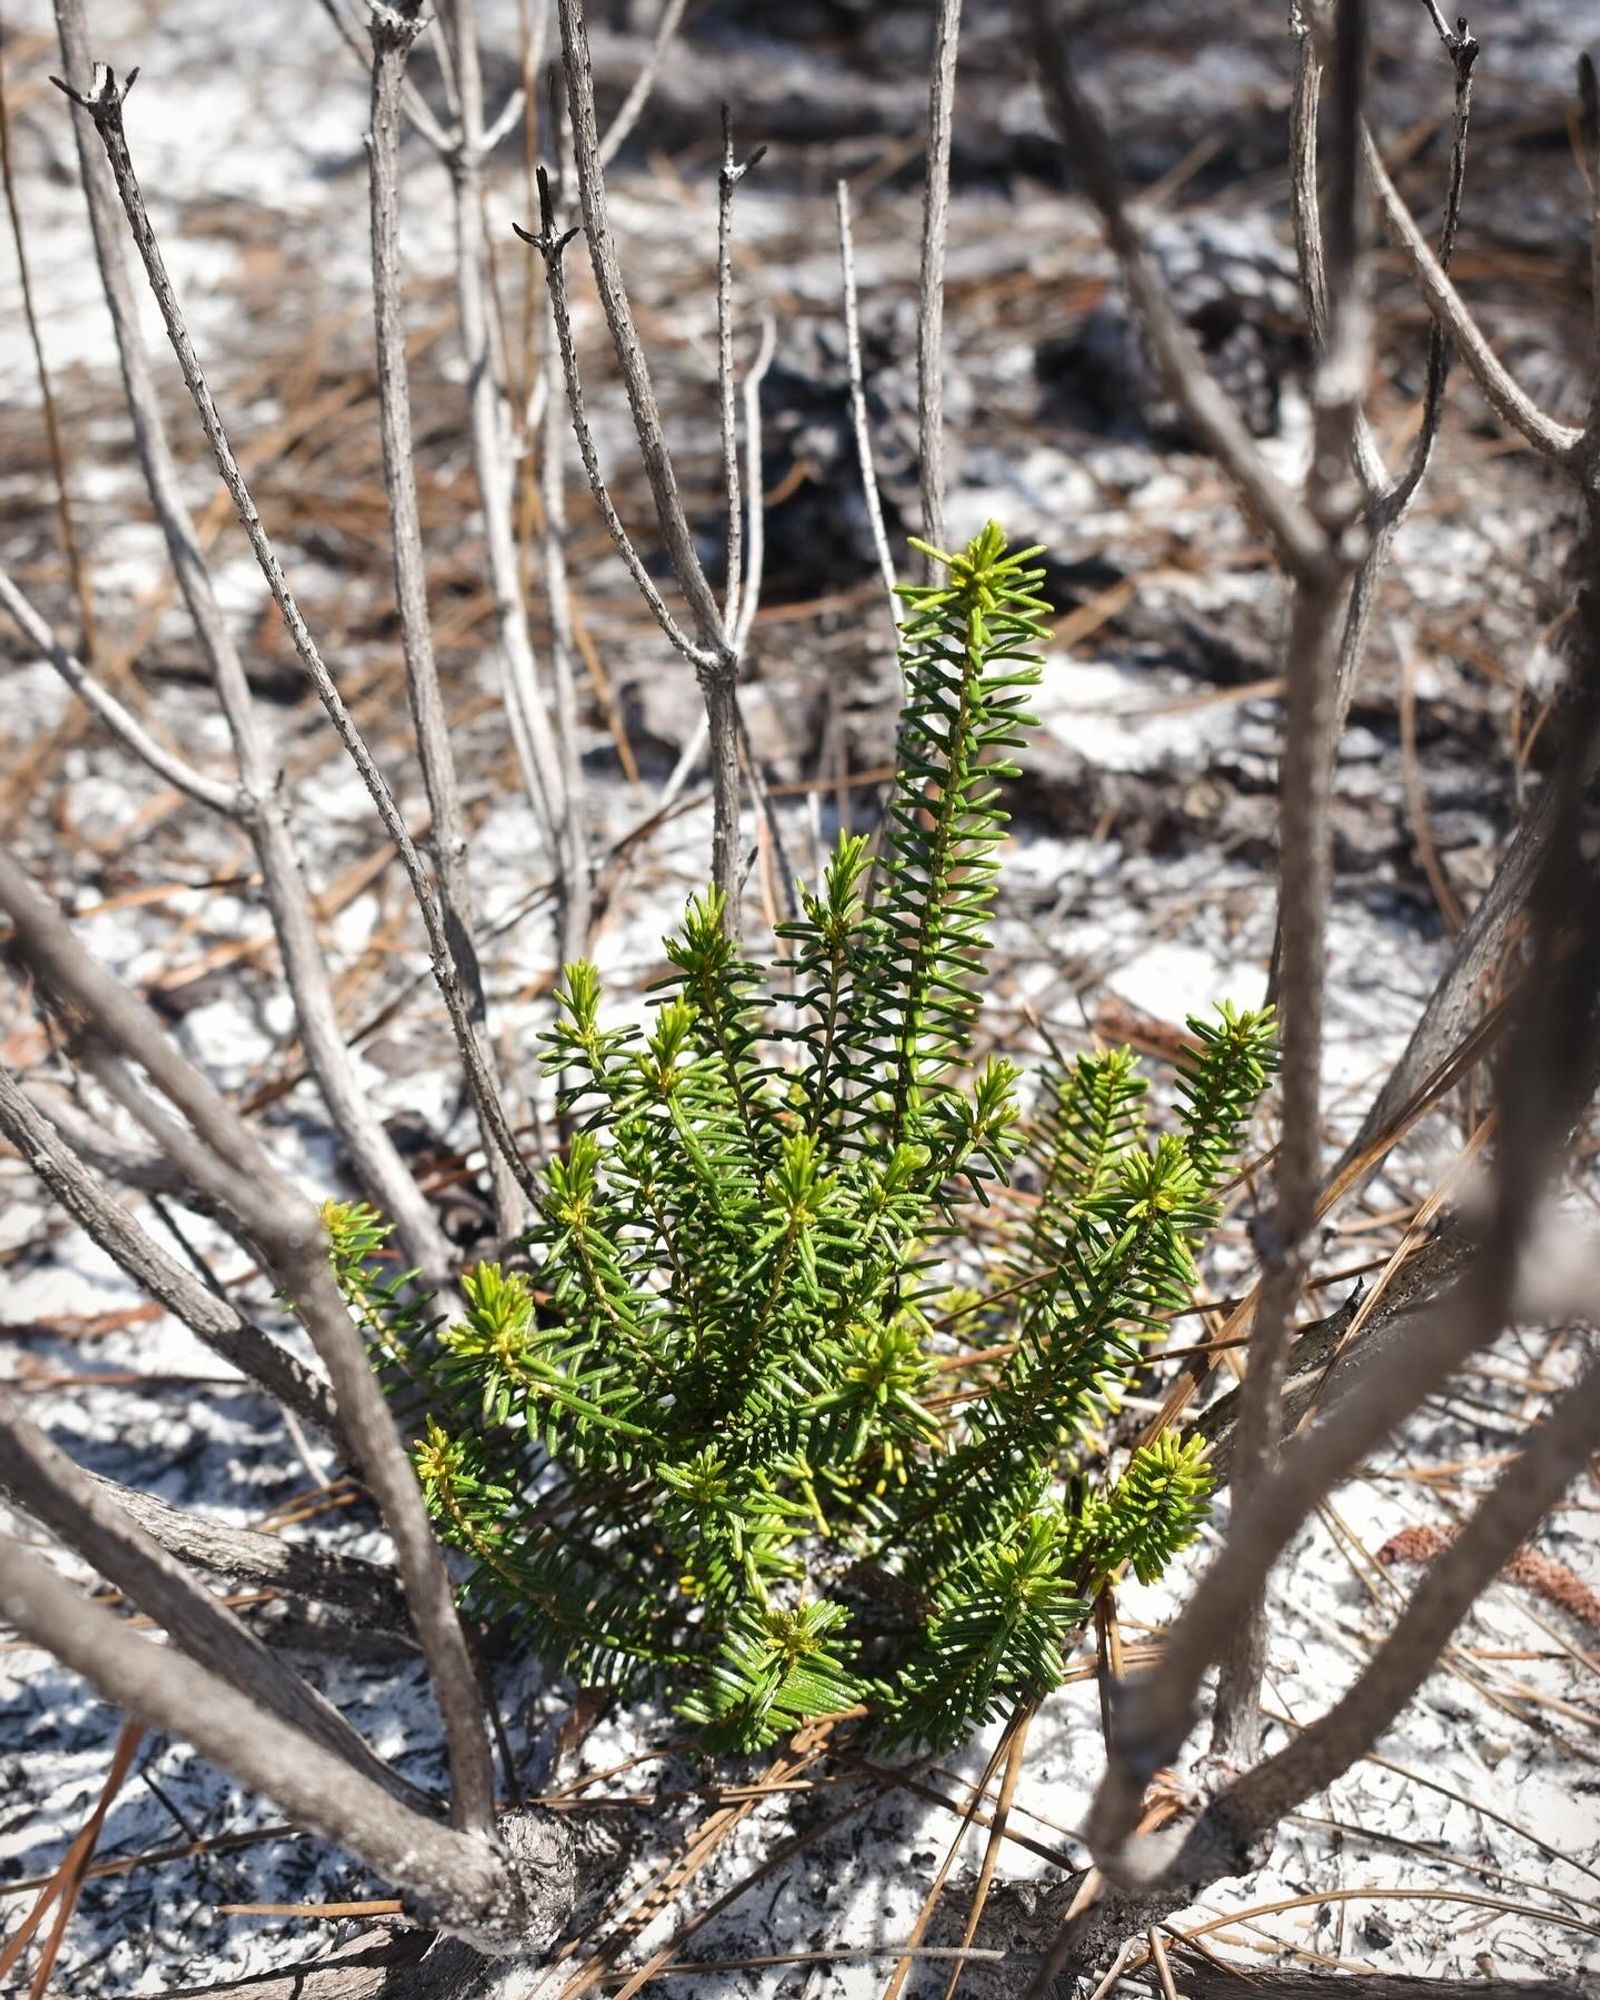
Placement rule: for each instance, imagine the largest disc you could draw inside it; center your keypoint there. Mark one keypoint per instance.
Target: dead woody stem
(229, 1164)
(104, 104)
(394, 30)
(930, 291)
(459, 1880)
(1313, 539)
(1305, 788)
(259, 797)
(718, 632)
(550, 767)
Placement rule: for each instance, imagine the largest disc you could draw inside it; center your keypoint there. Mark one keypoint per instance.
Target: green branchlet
(730, 1388)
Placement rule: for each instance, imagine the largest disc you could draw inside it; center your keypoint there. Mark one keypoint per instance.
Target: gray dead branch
(393, 1964)
(499, 1895)
(366, 1592)
(1320, 1369)
(393, 32)
(1205, 1977)
(103, 102)
(216, 1321)
(223, 1155)
(259, 791)
(87, 1516)
(1319, 540)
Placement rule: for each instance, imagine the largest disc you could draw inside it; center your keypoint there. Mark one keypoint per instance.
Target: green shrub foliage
(788, 1418)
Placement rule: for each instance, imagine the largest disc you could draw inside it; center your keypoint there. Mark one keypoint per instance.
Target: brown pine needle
(382, 1906)
(997, 1834)
(66, 1884)
(901, 1972)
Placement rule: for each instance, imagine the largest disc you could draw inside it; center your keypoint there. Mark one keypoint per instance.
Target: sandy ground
(1139, 880)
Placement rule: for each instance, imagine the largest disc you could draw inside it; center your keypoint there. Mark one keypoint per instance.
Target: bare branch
(755, 563)
(550, 243)
(538, 753)
(656, 459)
(416, 104)
(1304, 885)
(66, 513)
(214, 1320)
(1481, 943)
(1463, 50)
(716, 666)
(306, 971)
(714, 649)
(229, 1195)
(1306, 859)
(505, 120)
(445, 51)
(1298, 537)
(297, 1569)
(1546, 1078)
(1306, 209)
(1389, 500)
(1343, 368)
(80, 1512)
(385, 1465)
(728, 178)
(228, 1162)
(395, 28)
(721, 693)
(543, 418)
(930, 285)
(244, 1176)
(577, 903)
(1316, 545)
(213, 793)
(858, 402)
(1159, 1709)
(715, 653)
(1554, 1455)
(104, 104)
(456, 1880)
(1551, 439)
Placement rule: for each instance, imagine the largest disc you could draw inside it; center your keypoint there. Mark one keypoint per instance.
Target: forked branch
(215, 794)
(395, 28)
(103, 102)
(717, 631)
(262, 803)
(1545, 1081)
(1552, 1457)
(1305, 878)
(230, 1165)
(1504, 395)
(84, 1515)
(1297, 535)
(1316, 540)
(217, 1322)
(459, 1880)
